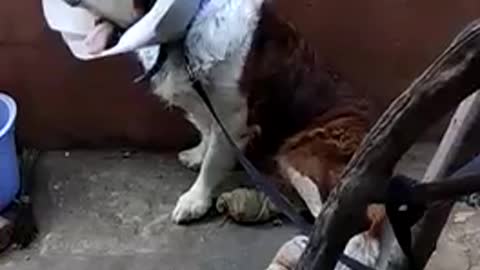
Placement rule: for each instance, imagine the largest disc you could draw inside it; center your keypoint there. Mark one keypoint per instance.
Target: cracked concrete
(105, 210)
(100, 210)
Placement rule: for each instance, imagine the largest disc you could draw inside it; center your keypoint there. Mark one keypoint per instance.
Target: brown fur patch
(321, 151)
(289, 89)
(308, 115)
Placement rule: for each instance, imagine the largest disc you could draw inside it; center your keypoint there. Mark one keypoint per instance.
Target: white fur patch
(220, 29)
(217, 45)
(306, 188)
(193, 158)
(192, 204)
(148, 56)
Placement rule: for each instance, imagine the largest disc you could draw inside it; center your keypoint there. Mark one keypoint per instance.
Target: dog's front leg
(219, 158)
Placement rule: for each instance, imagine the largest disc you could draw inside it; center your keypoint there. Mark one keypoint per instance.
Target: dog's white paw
(193, 158)
(191, 205)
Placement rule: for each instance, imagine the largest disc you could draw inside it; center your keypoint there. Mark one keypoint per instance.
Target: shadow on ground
(100, 210)
(105, 211)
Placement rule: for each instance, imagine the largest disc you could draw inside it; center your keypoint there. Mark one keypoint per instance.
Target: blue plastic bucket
(9, 173)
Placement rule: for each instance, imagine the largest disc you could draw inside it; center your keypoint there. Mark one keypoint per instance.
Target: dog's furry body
(294, 117)
(278, 101)
(290, 114)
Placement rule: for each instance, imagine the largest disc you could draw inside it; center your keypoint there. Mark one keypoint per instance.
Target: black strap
(353, 264)
(404, 211)
(254, 175)
(401, 209)
(258, 179)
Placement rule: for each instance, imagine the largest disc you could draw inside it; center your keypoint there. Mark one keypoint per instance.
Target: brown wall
(379, 45)
(64, 102)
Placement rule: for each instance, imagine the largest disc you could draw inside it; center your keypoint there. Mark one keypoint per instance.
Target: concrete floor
(102, 211)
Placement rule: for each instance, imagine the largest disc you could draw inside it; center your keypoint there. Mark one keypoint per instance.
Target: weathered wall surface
(64, 102)
(379, 45)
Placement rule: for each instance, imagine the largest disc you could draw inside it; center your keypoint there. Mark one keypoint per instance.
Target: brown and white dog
(292, 115)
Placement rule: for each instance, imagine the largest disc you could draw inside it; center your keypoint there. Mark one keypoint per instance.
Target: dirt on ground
(109, 210)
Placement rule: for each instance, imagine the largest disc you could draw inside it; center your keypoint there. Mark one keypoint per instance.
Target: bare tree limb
(429, 229)
(449, 80)
(459, 126)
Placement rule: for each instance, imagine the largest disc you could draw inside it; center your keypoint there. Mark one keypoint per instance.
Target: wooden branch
(450, 79)
(446, 189)
(459, 126)
(426, 234)
(392, 257)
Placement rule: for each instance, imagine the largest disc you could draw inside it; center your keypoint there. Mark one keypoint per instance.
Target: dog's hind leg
(312, 160)
(193, 157)
(173, 85)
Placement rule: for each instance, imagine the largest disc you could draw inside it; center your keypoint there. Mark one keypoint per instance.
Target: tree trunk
(427, 232)
(449, 80)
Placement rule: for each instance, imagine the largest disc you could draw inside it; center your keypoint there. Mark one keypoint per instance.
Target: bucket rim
(12, 109)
